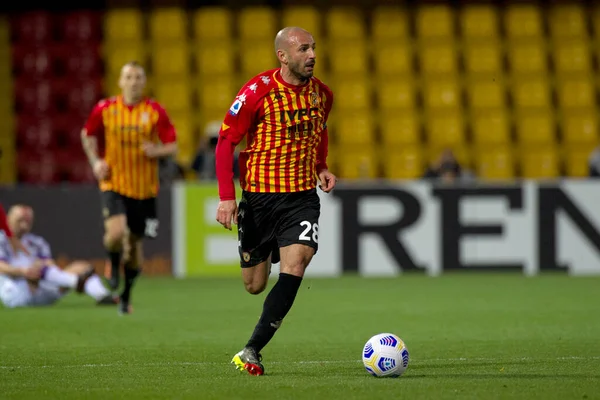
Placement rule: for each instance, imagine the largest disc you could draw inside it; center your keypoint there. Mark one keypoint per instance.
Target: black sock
(130, 275)
(115, 263)
(277, 304)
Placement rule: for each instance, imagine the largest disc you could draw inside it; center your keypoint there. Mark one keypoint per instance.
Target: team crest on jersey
(237, 104)
(314, 99)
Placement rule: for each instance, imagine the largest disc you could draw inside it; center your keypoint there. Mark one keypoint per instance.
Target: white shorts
(17, 293)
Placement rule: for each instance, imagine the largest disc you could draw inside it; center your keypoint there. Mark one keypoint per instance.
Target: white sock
(93, 287)
(59, 277)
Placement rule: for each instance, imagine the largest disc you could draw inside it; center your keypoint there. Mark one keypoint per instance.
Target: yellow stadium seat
(357, 163)
(213, 23)
(531, 92)
(210, 114)
(486, 93)
(580, 127)
(175, 95)
(256, 58)
(308, 17)
(438, 93)
(400, 129)
(576, 161)
(257, 22)
(534, 128)
(576, 92)
(118, 54)
(496, 163)
(393, 57)
(540, 163)
(348, 57)
(527, 57)
(186, 137)
(572, 56)
(490, 127)
(353, 93)
(4, 31)
(389, 23)
(404, 163)
(483, 57)
(435, 21)
(395, 94)
(595, 20)
(168, 24)
(215, 58)
(479, 21)
(567, 21)
(355, 128)
(217, 93)
(438, 57)
(123, 24)
(445, 129)
(523, 20)
(345, 23)
(171, 60)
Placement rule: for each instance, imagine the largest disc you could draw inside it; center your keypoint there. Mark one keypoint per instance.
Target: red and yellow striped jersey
(284, 125)
(121, 130)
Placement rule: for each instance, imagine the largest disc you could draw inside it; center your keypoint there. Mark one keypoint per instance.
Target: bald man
(136, 132)
(32, 278)
(283, 114)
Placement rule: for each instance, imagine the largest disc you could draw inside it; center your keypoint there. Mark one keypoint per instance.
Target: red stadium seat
(81, 26)
(34, 61)
(34, 97)
(36, 133)
(37, 168)
(68, 128)
(37, 26)
(81, 94)
(84, 61)
(74, 166)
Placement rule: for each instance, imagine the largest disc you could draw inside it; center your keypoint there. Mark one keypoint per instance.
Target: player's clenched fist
(100, 169)
(226, 212)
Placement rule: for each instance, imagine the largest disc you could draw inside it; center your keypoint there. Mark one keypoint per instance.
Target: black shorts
(268, 221)
(141, 215)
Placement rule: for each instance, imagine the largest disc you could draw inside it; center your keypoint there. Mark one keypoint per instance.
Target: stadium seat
(35, 62)
(567, 21)
(438, 57)
(443, 129)
(400, 128)
(186, 136)
(434, 21)
(357, 163)
(32, 27)
(580, 127)
(461, 153)
(217, 93)
(345, 23)
(168, 24)
(74, 166)
(348, 57)
(540, 163)
(67, 127)
(81, 26)
(84, 61)
(353, 93)
(39, 168)
(215, 58)
(395, 94)
(523, 21)
(479, 21)
(393, 57)
(389, 23)
(123, 24)
(80, 95)
(495, 163)
(36, 133)
(174, 94)
(483, 57)
(257, 23)
(576, 92)
(535, 127)
(531, 92)
(404, 163)
(213, 24)
(4, 31)
(355, 129)
(34, 97)
(256, 58)
(171, 60)
(438, 93)
(486, 93)
(117, 55)
(576, 161)
(308, 17)
(490, 127)
(527, 57)
(595, 20)
(572, 57)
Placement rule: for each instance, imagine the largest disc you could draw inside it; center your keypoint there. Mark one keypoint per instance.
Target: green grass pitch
(471, 336)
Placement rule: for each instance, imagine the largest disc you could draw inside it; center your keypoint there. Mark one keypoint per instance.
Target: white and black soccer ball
(386, 355)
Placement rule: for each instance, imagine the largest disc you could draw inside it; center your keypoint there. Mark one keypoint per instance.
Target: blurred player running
(135, 131)
(283, 112)
(33, 279)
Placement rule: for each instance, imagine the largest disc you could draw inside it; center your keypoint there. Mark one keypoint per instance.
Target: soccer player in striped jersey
(135, 132)
(283, 114)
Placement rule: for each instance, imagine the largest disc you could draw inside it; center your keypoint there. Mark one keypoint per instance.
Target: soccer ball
(385, 355)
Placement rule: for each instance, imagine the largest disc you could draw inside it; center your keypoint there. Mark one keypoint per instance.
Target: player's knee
(113, 238)
(255, 287)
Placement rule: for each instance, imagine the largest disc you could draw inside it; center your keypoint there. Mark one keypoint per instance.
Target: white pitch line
(199, 363)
